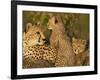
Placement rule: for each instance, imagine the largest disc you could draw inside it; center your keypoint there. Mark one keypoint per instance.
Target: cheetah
(79, 45)
(34, 47)
(60, 41)
(80, 48)
(32, 36)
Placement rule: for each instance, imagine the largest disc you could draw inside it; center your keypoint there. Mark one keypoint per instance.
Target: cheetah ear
(28, 26)
(56, 20)
(84, 42)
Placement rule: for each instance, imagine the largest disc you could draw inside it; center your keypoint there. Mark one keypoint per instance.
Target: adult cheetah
(34, 48)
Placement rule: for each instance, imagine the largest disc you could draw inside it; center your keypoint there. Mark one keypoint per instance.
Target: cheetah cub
(81, 49)
(79, 45)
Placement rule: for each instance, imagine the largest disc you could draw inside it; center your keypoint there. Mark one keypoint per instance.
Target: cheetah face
(34, 35)
(78, 45)
(53, 22)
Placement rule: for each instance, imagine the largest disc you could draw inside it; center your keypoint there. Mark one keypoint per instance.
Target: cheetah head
(52, 22)
(34, 35)
(79, 45)
(55, 23)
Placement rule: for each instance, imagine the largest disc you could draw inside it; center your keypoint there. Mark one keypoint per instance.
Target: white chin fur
(50, 28)
(40, 43)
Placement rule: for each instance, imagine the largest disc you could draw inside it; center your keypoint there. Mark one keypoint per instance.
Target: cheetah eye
(37, 32)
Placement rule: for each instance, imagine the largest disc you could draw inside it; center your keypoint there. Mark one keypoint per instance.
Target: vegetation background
(76, 24)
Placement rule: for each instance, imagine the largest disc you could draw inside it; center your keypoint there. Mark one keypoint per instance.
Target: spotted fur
(34, 47)
(61, 42)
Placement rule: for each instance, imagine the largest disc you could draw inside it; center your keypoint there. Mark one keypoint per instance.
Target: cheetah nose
(45, 40)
